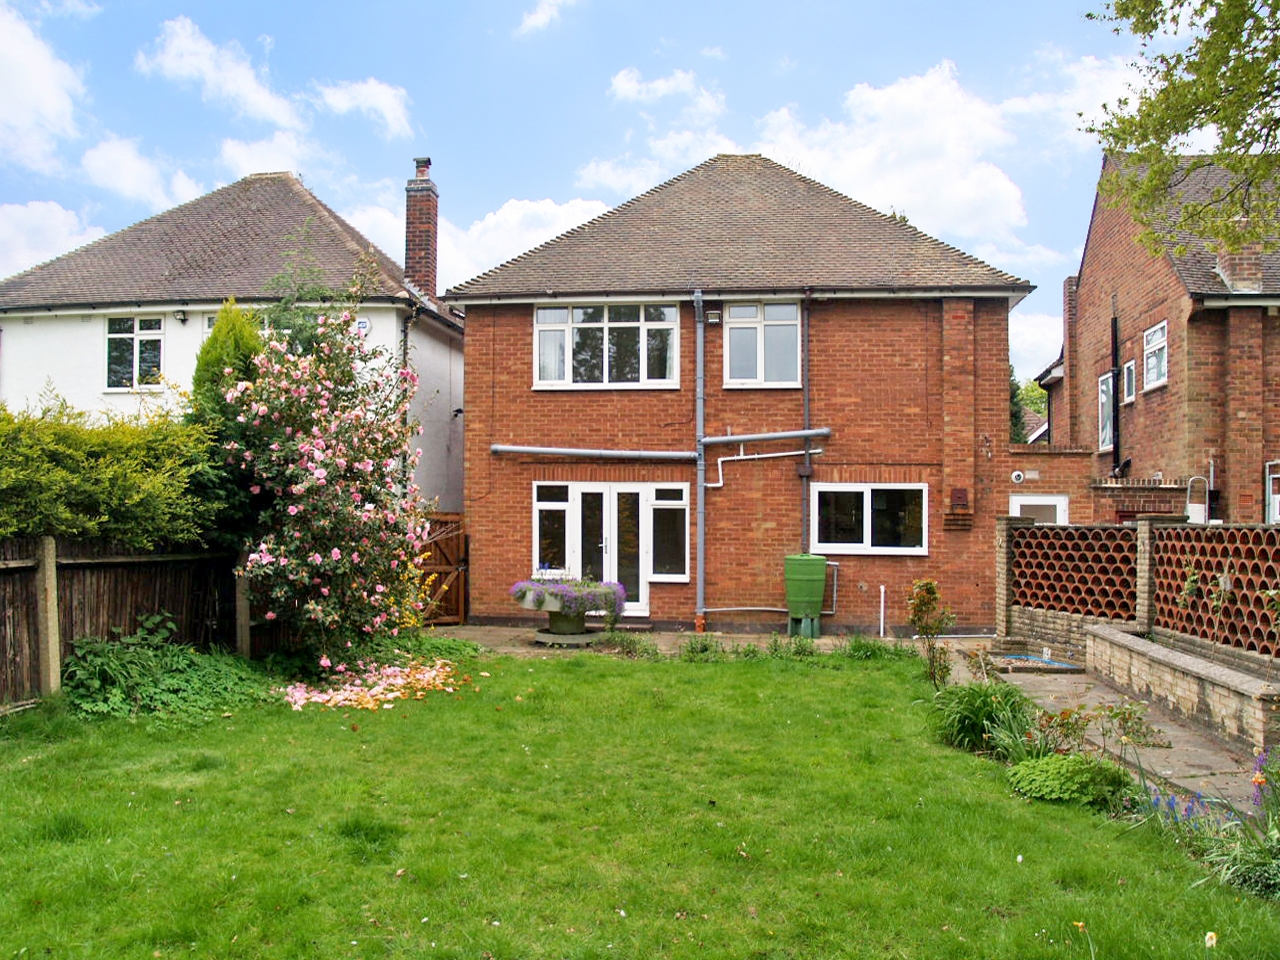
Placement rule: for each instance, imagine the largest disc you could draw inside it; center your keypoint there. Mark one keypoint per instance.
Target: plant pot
(565, 624)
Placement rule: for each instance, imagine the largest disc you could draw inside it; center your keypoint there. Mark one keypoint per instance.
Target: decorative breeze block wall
(1210, 582)
(1091, 571)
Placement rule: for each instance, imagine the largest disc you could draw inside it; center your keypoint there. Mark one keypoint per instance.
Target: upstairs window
(1106, 404)
(1155, 355)
(606, 346)
(134, 352)
(762, 345)
(1129, 381)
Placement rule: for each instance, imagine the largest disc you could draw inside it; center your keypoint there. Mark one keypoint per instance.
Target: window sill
(845, 550)
(600, 387)
(119, 391)
(762, 386)
(669, 578)
(1156, 386)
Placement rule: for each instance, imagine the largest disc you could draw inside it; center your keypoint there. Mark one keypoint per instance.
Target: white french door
(629, 533)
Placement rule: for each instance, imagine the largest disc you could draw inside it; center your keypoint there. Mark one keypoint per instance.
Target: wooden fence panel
(19, 659)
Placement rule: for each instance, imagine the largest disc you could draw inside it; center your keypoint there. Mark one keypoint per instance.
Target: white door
(1042, 508)
(611, 540)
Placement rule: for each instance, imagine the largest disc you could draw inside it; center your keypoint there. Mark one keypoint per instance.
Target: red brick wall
(1152, 428)
(877, 369)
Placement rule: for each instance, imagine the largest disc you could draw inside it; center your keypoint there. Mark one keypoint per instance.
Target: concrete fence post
(49, 635)
(1005, 527)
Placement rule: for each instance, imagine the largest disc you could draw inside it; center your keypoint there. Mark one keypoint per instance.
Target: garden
(771, 803)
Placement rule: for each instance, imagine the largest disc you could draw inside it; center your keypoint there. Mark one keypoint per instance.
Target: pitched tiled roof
(1198, 266)
(227, 243)
(738, 223)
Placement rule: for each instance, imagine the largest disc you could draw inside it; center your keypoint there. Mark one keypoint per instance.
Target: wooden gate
(448, 566)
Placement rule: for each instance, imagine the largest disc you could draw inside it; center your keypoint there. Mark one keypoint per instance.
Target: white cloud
(918, 145)
(383, 227)
(628, 84)
(38, 92)
(1013, 255)
(374, 99)
(281, 151)
(623, 176)
(1086, 84)
(84, 9)
(225, 73)
(542, 15)
(117, 165)
(33, 232)
(715, 53)
(516, 226)
(1035, 339)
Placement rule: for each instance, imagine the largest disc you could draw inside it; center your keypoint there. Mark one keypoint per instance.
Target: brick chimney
(421, 210)
(1242, 271)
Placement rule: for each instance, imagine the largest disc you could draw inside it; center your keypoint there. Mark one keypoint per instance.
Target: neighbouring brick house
(1196, 401)
(104, 325)
(854, 403)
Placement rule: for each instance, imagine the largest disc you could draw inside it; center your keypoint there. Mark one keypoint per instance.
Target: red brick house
(1186, 411)
(738, 365)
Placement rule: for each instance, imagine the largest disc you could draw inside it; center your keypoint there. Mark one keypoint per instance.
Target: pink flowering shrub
(326, 435)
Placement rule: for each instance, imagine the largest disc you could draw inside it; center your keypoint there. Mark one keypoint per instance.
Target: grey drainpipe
(806, 468)
(700, 429)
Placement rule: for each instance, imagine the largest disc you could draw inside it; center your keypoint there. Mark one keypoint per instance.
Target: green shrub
(863, 648)
(1015, 732)
(1072, 778)
(126, 479)
(963, 713)
(150, 672)
(702, 648)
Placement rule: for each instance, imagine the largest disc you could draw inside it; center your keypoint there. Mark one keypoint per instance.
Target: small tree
(327, 434)
(929, 618)
(1017, 423)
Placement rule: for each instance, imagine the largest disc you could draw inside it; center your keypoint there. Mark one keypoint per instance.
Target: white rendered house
(105, 326)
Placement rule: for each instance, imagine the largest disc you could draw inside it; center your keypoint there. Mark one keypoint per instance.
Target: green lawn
(581, 807)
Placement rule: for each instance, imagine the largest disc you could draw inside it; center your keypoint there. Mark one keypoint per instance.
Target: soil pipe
(1116, 388)
(806, 468)
(700, 430)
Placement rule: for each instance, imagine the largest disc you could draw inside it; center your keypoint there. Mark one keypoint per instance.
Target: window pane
(742, 353)
(661, 359)
(781, 311)
(624, 354)
(120, 362)
(120, 325)
(781, 353)
(551, 552)
(1155, 371)
(553, 493)
(669, 541)
(669, 493)
(743, 311)
(840, 516)
(551, 355)
(553, 315)
(628, 313)
(153, 324)
(148, 361)
(1104, 411)
(588, 355)
(897, 518)
(588, 314)
(628, 546)
(592, 536)
(660, 314)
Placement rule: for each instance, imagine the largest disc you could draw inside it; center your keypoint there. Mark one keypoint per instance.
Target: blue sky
(539, 114)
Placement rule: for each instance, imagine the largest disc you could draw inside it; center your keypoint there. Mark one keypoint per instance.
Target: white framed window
(1155, 355)
(1042, 508)
(1129, 381)
(607, 346)
(762, 345)
(135, 352)
(871, 518)
(1106, 403)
